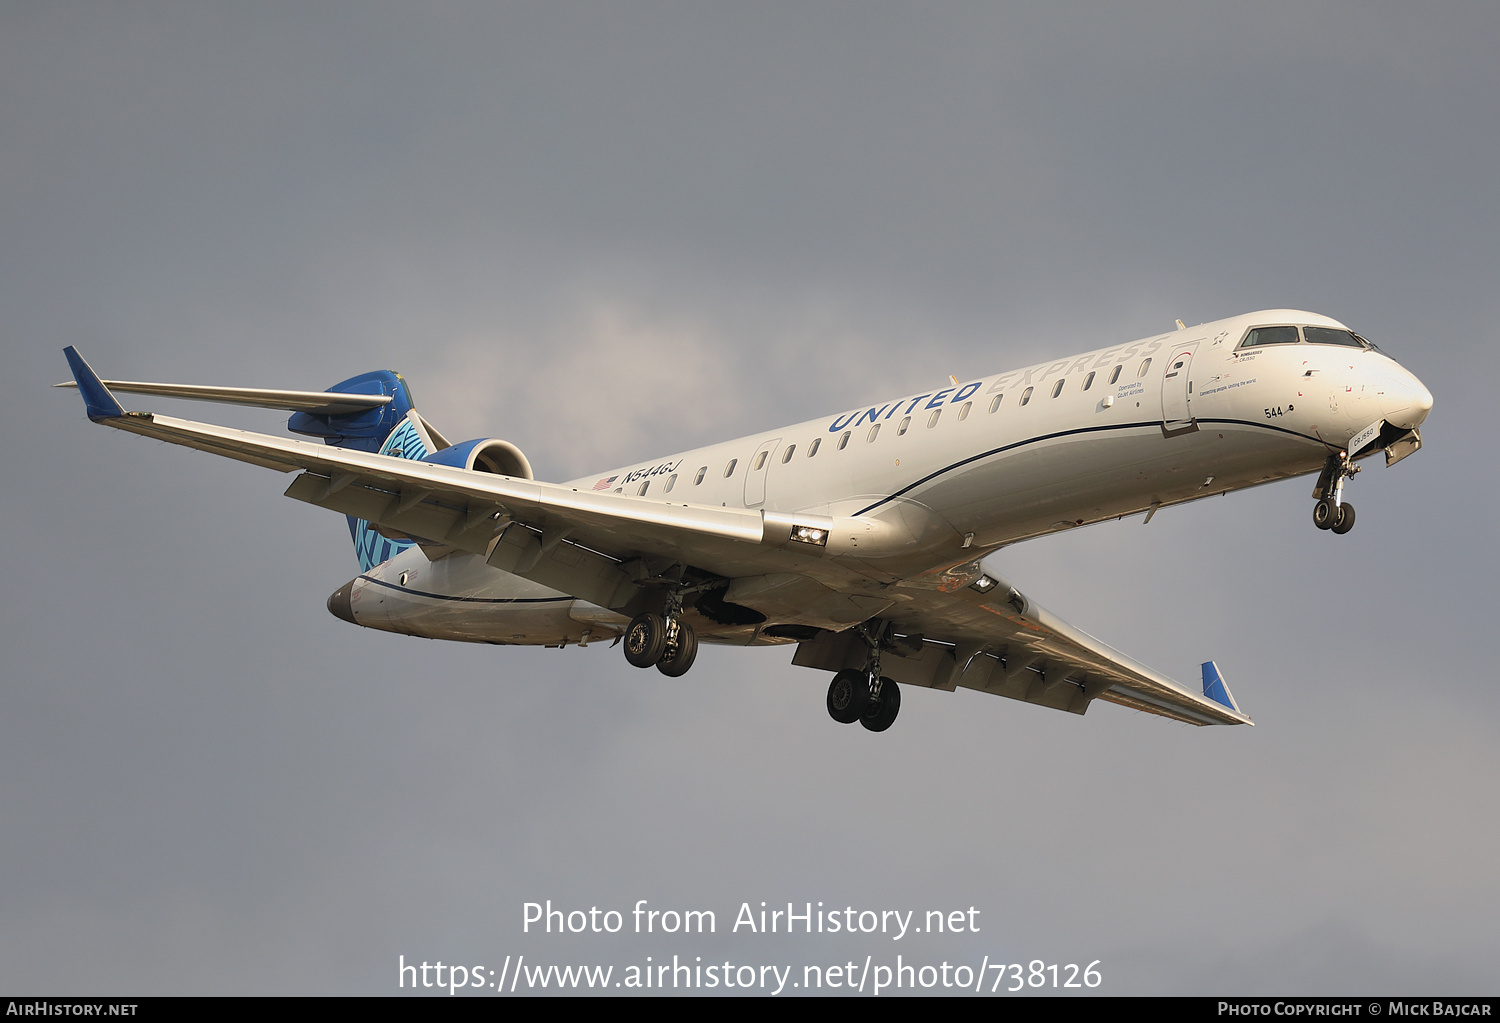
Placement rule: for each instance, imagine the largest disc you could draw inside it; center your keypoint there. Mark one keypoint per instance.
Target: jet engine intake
(500, 457)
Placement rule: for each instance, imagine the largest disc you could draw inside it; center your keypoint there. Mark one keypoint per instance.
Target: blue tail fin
(394, 429)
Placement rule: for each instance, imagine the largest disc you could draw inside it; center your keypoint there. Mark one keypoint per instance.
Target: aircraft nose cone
(339, 604)
(1410, 402)
(1421, 402)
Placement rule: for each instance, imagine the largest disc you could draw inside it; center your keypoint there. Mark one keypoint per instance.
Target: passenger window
(1116, 374)
(963, 413)
(813, 448)
(1270, 336)
(642, 492)
(671, 482)
(760, 460)
(932, 419)
(1088, 381)
(1057, 388)
(844, 440)
(1330, 336)
(901, 430)
(874, 432)
(996, 403)
(729, 469)
(702, 470)
(790, 449)
(1142, 371)
(1026, 395)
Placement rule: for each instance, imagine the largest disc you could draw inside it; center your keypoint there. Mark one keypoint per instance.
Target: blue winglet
(101, 405)
(1215, 688)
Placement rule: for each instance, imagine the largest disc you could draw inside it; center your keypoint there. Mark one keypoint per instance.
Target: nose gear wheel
(1331, 511)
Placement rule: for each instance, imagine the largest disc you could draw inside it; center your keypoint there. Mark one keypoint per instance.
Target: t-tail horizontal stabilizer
(328, 403)
(101, 405)
(1216, 689)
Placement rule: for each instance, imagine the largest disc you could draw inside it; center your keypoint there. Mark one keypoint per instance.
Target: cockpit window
(1331, 336)
(1270, 336)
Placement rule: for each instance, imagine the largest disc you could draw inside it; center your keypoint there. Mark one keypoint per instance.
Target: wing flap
(994, 640)
(483, 528)
(421, 482)
(572, 540)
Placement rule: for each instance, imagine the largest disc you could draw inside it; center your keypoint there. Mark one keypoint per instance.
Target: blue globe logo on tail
(372, 548)
(389, 429)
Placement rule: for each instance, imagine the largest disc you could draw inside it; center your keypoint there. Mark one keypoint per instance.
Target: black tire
(679, 656)
(1325, 514)
(1345, 520)
(645, 639)
(848, 695)
(880, 715)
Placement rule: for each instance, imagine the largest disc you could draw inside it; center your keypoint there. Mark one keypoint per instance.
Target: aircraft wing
(961, 627)
(601, 547)
(973, 629)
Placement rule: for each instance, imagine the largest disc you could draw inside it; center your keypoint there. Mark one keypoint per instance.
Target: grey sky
(604, 232)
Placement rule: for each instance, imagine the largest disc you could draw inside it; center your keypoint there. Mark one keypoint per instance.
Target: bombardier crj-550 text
(857, 537)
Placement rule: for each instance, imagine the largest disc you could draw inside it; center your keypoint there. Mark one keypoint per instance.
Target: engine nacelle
(500, 457)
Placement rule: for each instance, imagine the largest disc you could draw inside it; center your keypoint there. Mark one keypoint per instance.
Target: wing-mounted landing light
(813, 535)
(987, 584)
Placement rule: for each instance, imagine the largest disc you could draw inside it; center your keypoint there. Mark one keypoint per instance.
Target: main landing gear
(855, 696)
(665, 641)
(1332, 511)
(865, 696)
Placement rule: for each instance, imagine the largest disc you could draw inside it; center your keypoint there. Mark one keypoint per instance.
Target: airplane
(858, 538)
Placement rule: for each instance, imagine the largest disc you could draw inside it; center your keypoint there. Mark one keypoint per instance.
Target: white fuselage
(959, 471)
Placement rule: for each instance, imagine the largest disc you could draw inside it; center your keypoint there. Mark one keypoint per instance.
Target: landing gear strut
(881, 714)
(1332, 511)
(665, 641)
(681, 651)
(865, 696)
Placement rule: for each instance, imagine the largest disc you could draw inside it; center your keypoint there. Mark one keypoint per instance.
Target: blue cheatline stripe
(467, 600)
(1150, 424)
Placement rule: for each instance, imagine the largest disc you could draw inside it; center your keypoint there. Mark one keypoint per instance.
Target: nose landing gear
(1332, 511)
(1337, 517)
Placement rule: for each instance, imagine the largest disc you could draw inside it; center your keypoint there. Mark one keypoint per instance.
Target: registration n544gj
(856, 537)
